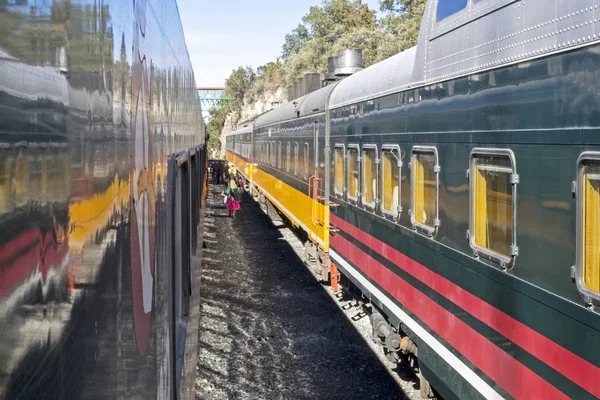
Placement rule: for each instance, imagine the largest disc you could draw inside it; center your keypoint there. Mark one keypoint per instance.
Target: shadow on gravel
(267, 329)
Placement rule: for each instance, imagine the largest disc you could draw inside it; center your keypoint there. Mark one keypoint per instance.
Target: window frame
(273, 153)
(356, 147)
(505, 262)
(335, 166)
(306, 160)
(417, 226)
(372, 206)
(446, 16)
(589, 296)
(278, 156)
(296, 152)
(391, 147)
(288, 157)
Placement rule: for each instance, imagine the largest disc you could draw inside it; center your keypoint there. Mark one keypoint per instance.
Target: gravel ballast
(269, 330)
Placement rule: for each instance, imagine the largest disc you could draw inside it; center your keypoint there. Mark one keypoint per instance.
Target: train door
(316, 194)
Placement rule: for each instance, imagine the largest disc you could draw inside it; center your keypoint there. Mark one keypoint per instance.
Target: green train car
(457, 185)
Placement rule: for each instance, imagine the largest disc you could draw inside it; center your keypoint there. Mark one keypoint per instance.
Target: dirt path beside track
(268, 330)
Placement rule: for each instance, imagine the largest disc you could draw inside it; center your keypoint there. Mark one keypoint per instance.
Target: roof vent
(348, 63)
(312, 82)
(301, 87)
(331, 65)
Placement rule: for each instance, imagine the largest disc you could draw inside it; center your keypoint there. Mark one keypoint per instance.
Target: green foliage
(349, 24)
(218, 116)
(403, 18)
(238, 83)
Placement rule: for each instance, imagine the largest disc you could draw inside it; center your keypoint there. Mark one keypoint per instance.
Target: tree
(238, 83)
(295, 41)
(323, 25)
(403, 18)
(307, 48)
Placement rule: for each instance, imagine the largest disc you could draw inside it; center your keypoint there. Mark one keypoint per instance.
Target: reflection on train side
(43, 267)
(34, 240)
(92, 224)
(34, 197)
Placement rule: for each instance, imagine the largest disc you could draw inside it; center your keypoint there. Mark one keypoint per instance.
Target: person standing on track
(233, 196)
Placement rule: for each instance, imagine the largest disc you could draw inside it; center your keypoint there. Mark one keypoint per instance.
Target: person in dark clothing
(218, 167)
(213, 172)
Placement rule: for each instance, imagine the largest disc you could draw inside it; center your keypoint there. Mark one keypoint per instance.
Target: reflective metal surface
(94, 96)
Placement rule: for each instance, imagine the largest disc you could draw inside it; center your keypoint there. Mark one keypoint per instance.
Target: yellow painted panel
(297, 204)
(425, 188)
(353, 173)
(391, 181)
(369, 176)
(419, 192)
(591, 230)
(493, 204)
(480, 211)
(339, 169)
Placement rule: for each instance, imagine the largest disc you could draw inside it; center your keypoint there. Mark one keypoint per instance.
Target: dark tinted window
(449, 7)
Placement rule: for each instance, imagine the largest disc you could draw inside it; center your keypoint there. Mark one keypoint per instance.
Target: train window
(182, 255)
(353, 164)
(493, 185)
(338, 187)
(390, 180)
(306, 161)
(369, 176)
(296, 158)
(587, 268)
(288, 157)
(446, 8)
(279, 161)
(273, 154)
(424, 189)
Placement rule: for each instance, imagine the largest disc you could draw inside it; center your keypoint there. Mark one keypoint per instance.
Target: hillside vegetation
(334, 25)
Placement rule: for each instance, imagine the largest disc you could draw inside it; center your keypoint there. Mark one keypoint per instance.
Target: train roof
(464, 37)
(387, 76)
(312, 103)
(316, 101)
(459, 38)
(282, 113)
(244, 129)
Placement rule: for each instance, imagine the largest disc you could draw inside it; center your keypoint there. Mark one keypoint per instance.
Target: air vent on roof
(302, 86)
(331, 64)
(312, 82)
(348, 63)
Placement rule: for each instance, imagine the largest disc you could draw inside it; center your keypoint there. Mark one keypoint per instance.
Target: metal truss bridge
(211, 97)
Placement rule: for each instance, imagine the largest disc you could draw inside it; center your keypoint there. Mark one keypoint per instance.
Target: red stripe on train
(514, 377)
(572, 366)
(580, 371)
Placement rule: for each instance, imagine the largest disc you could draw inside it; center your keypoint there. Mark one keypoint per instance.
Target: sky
(224, 34)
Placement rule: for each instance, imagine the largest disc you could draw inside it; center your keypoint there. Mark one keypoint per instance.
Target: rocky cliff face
(268, 100)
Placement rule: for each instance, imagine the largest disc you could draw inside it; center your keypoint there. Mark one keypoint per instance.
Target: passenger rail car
(102, 174)
(456, 185)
